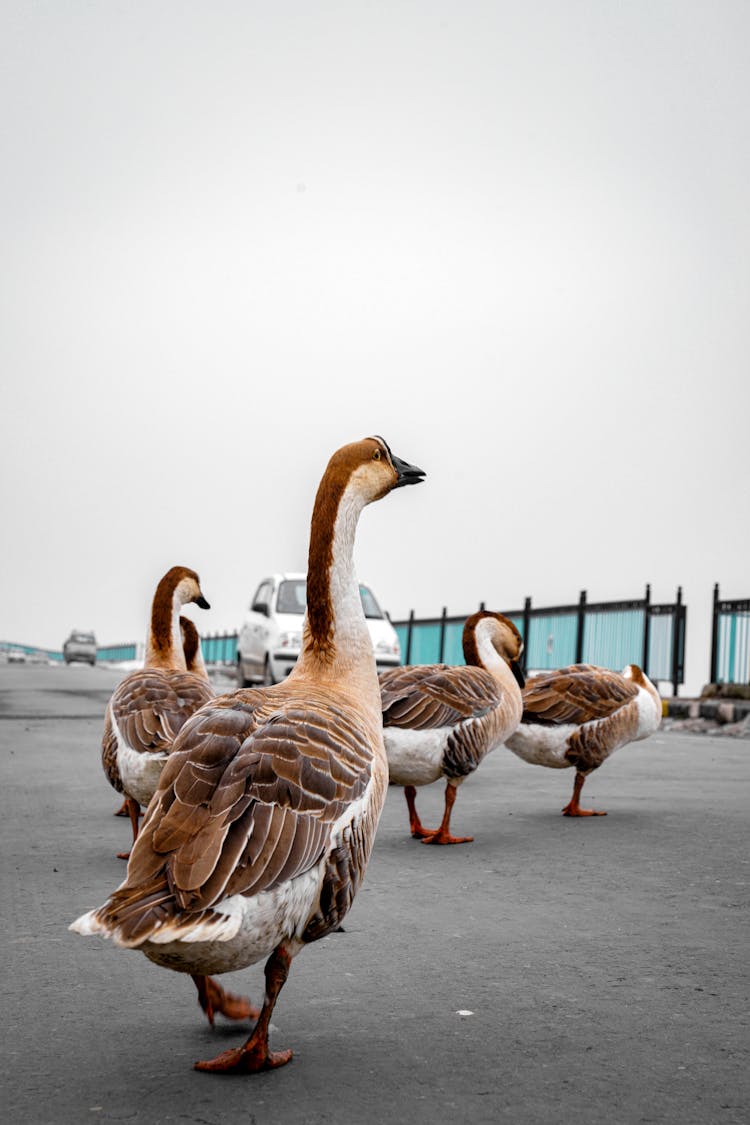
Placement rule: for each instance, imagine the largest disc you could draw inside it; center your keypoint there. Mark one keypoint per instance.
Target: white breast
(542, 745)
(139, 771)
(415, 757)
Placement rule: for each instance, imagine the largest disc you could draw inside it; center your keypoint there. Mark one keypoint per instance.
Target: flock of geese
(262, 804)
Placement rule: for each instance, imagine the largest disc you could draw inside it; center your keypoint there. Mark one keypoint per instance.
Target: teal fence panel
(734, 648)
(453, 648)
(220, 649)
(402, 632)
(613, 638)
(116, 653)
(552, 641)
(660, 646)
(425, 643)
(31, 650)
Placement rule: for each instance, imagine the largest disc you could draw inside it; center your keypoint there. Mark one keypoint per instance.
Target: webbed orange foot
(213, 998)
(245, 1060)
(441, 837)
(576, 810)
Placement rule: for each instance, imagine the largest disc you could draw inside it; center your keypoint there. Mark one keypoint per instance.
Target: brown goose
(261, 828)
(441, 720)
(578, 716)
(148, 708)
(191, 647)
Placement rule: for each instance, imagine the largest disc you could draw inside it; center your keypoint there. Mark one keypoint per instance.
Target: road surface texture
(554, 970)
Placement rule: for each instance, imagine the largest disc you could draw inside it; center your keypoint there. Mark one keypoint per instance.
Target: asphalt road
(554, 970)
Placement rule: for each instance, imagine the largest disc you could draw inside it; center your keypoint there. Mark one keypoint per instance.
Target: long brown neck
(164, 641)
(191, 647)
(479, 650)
(335, 634)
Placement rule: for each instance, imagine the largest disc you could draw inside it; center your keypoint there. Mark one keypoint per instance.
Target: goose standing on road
(149, 707)
(579, 716)
(442, 720)
(260, 832)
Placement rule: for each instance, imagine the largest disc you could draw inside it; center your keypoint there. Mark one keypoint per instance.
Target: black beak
(201, 602)
(406, 473)
(515, 668)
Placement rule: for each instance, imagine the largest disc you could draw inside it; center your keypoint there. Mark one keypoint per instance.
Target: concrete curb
(716, 710)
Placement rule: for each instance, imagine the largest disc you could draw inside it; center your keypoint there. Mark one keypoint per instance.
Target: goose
(578, 716)
(441, 721)
(191, 647)
(148, 708)
(260, 831)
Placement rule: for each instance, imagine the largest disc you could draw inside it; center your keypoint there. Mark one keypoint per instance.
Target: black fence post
(714, 671)
(676, 631)
(526, 630)
(646, 627)
(409, 627)
(580, 626)
(441, 647)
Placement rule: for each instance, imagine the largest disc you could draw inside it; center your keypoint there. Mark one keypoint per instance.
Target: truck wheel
(268, 680)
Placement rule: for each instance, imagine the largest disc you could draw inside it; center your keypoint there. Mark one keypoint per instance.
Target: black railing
(730, 641)
(610, 634)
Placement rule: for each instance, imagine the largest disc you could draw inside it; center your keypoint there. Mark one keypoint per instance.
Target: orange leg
(133, 810)
(213, 998)
(255, 1055)
(123, 810)
(443, 836)
(573, 808)
(415, 824)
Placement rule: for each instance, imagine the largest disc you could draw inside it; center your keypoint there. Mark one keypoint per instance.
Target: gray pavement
(552, 971)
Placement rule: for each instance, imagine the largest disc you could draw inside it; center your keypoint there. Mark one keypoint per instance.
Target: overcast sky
(513, 238)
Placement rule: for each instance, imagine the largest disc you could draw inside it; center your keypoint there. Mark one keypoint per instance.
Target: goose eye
(376, 455)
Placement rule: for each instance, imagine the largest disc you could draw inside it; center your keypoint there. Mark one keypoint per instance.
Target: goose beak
(201, 602)
(406, 473)
(515, 668)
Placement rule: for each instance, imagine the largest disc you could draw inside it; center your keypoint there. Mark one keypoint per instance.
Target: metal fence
(610, 634)
(730, 641)
(116, 653)
(219, 648)
(30, 650)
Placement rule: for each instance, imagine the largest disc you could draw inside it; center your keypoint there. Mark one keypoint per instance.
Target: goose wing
(423, 697)
(246, 801)
(577, 694)
(151, 707)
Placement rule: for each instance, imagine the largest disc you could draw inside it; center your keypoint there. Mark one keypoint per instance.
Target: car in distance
(80, 647)
(269, 640)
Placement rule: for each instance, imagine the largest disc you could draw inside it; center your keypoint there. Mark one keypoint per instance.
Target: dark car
(80, 647)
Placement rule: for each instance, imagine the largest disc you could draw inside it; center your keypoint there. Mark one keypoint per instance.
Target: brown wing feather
(150, 707)
(577, 694)
(246, 800)
(109, 753)
(423, 697)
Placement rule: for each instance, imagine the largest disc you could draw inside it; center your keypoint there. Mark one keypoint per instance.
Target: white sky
(514, 238)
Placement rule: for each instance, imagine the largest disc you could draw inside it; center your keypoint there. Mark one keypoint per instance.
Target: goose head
(182, 585)
(367, 470)
(501, 634)
(638, 676)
